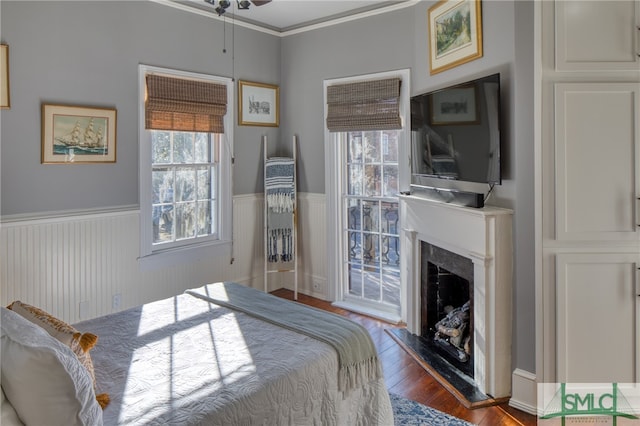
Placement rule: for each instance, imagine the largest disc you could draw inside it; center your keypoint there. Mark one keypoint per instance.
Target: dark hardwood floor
(405, 377)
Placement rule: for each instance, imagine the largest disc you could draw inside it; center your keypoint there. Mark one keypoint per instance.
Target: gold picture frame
(5, 98)
(455, 33)
(78, 134)
(259, 104)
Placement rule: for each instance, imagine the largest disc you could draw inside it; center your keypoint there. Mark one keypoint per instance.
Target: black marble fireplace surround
(446, 279)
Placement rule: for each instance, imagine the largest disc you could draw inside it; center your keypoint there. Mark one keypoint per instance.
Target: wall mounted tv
(455, 132)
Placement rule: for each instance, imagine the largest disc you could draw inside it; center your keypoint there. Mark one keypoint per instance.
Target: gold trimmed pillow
(80, 343)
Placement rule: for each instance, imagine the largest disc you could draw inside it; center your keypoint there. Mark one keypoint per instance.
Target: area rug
(410, 413)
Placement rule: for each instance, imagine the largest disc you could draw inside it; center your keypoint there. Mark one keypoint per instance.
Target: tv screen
(455, 132)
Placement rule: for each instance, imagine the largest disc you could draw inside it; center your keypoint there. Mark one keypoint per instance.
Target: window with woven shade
(186, 135)
(364, 105)
(366, 141)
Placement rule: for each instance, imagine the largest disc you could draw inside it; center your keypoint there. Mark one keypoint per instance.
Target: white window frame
(334, 158)
(163, 255)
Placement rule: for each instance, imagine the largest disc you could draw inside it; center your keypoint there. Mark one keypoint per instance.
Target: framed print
(77, 134)
(456, 105)
(455, 33)
(259, 104)
(4, 77)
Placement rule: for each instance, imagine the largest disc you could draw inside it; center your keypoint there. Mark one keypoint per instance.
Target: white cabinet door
(598, 318)
(597, 35)
(597, 151)
(588, 178)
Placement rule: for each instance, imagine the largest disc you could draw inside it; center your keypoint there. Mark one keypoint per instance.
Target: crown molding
(310, 27)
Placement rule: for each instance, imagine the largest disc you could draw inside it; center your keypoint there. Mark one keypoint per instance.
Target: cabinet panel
(588, 184)
(598, 308)
(596, 35)
(596, 150)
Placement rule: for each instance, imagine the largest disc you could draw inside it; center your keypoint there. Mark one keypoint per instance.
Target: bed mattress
(187, 361)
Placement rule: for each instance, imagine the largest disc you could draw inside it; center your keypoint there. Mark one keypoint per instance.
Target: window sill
(181, 255)
(374, 312)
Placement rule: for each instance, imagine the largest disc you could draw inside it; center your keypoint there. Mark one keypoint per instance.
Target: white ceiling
(282, 16)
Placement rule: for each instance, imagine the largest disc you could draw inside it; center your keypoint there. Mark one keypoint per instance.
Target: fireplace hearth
(428, 354)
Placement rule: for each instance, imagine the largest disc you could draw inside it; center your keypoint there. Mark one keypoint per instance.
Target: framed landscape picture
(77, 134)
(258, 104)
(455, 33)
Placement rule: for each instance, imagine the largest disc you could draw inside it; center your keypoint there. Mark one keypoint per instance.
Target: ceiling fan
(242, 4)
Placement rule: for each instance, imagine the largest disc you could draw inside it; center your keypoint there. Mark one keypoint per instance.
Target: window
(183, 181)
(366, 142)
(370, 202)
(185, 164)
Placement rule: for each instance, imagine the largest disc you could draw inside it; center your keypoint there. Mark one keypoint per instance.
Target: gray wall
(87, 53)
(524, 173)
(376, 44)
(399, 40)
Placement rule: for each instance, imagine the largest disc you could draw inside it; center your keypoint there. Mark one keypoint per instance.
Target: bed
(225, 354)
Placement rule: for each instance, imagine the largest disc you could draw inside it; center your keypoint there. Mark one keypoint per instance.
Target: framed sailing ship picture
(78, 135)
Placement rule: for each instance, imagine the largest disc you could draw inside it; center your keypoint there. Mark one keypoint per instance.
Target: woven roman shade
(365, 105)
(184, 105)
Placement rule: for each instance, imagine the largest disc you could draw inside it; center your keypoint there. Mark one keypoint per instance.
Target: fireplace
(466, 251)
(446, 307)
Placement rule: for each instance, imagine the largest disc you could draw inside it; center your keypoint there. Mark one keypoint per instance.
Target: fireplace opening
(447, 306)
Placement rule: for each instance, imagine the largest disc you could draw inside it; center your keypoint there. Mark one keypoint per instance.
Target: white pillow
(42, 378)
(8, 416)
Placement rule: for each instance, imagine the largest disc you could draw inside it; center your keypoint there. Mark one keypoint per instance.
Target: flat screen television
(455, 132)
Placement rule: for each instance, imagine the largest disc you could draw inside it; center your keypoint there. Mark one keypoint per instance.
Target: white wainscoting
(312, 245)
(71, 264)
(248, 241)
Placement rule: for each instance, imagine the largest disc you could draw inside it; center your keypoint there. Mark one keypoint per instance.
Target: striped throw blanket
(280, 200)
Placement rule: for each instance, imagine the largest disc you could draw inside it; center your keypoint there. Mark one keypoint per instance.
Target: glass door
(370, 204)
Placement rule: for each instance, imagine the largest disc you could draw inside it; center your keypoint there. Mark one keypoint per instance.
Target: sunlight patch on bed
(158, 316)
(179, 367)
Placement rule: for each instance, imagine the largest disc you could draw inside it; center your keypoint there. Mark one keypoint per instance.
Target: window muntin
(371, 200)
(184, 185)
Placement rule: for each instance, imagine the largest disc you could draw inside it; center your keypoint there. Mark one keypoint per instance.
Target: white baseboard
(524, 391)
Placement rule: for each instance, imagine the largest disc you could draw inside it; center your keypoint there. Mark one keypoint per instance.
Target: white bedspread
(185, 361)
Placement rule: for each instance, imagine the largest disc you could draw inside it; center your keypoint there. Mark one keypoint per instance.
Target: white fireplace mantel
(484, 236)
